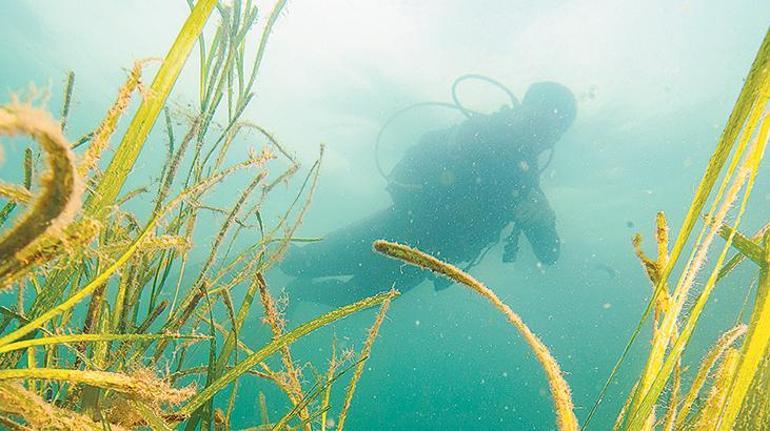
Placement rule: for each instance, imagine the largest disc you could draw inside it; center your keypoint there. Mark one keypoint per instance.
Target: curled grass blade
(56, 204)
(102, 277)
(562, 399)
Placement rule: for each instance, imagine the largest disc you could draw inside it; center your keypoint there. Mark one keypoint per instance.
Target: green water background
(655, 82)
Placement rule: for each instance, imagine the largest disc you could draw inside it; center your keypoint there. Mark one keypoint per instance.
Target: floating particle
(606, 306)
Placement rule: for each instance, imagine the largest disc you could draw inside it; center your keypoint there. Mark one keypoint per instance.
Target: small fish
(612, 272)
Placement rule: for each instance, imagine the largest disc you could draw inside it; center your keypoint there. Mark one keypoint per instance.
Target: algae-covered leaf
(754, 348)
(77, 338)
(268, 349)
(364, 355)
(132, 249)
(39, 414)
(139, 385)
(56, 204)
(153, 420)
(115, 175)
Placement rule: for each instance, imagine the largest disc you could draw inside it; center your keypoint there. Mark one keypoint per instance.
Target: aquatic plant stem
(101, 136)
(123, 162)
(725, 145)
(65, 110)
(102, 277)
(333, 364)
(657, 377)
(363, 356)
(271, 20)
(135, 385)
(754, 348)
(267, 350)
(75, 338)
(562, 399)
(276, 323)
(717, 352)
(17, 401)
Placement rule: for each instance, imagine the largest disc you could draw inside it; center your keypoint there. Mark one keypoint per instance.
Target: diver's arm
(537, 221)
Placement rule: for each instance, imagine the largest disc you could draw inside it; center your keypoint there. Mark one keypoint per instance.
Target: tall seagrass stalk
(743, 118)
(745, 163)
(125, 156)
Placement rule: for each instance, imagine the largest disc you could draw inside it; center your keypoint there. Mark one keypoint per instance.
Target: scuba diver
(453, 194)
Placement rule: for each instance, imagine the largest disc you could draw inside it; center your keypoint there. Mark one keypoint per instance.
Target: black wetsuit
(453, 193)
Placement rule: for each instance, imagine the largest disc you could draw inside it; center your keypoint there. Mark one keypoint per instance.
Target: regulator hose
(468, 113)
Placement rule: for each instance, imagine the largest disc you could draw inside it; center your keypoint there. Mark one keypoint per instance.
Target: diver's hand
(510, 251)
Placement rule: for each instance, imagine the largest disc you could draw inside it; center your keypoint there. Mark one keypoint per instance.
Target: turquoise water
(654, 82)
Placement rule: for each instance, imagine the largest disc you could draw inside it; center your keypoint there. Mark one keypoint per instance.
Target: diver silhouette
(452, 196)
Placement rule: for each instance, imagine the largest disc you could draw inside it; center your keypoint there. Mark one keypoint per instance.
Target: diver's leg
(336, 293)
(347, 251)
(331, 292)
